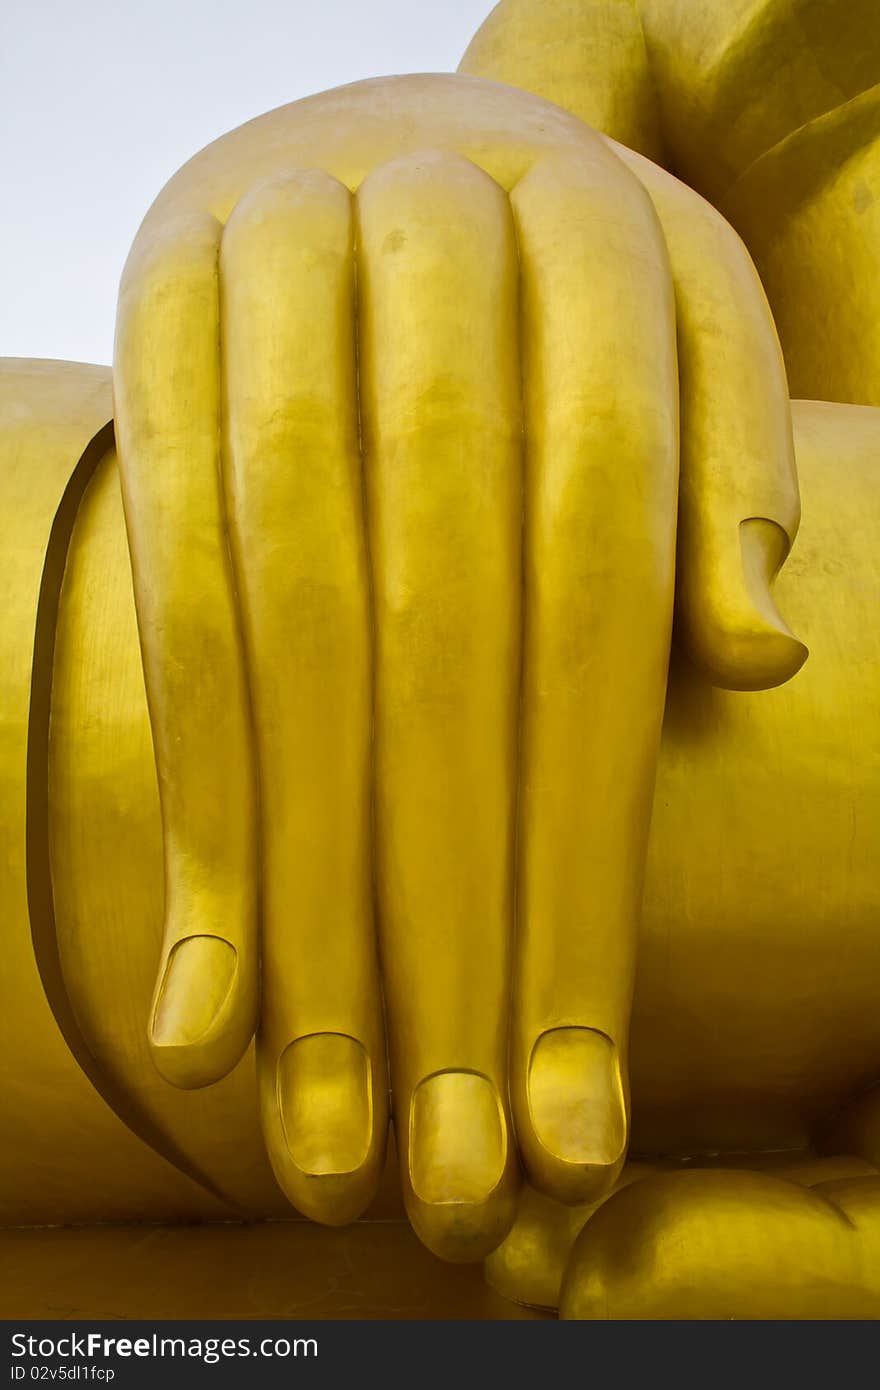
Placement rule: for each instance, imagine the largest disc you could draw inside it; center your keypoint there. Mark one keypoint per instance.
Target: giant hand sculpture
(360, 341)
(256, 391)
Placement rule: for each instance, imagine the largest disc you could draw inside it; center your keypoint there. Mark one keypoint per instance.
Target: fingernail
(457, 1139)
(764, 546)
(576, 1096)
(198, 977)
(325, 1100)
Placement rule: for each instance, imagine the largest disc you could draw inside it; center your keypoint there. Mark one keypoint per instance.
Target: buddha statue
(399, 715)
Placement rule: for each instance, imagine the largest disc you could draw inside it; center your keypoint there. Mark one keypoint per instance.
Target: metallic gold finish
(113, 896)
(295, 513)
(167, 407)
(325, 1100)
(739, 508)
(594, 1133)
(441, 422)
(452, 1164)
(432, 403)
(587, 56)
(588, 747)
(770, 108)
(729, 1245)
(277, 1269)
(535, 1260)
(460, 646)
(808, 210)
(58, 1131)
(700, 1080)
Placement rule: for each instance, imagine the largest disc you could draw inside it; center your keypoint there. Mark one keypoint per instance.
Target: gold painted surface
(736, 77)
(490, 387)
(762, 944)
(705, 87)
(754, 1015)
(536, 1260)
(769, 108)
(587, 56)
(810, 213)
(113, 896)
(273, 1270)
(58, 1134)
(729, 1244)
(758, 957)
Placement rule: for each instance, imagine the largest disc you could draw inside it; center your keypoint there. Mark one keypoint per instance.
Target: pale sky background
(102, 100)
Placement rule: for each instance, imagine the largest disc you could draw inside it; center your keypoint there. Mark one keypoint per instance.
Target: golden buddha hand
(397, 400)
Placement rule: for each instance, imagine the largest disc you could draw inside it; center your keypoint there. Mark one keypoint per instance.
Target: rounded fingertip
(751, 653)
(530, 1262)
(732, 627)
(753, 660)
(325, 1135)
(200, 1025)
(771, 653)
(464, 1232)
(575, 1138)
(460, 1183)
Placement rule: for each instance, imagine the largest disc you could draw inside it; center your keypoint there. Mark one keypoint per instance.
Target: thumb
(726, 615)
(739, 506)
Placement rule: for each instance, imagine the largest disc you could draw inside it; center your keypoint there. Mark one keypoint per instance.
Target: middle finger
(440, 400)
